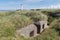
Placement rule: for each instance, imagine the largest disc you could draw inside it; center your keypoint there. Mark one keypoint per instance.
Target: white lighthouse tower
(21, 6)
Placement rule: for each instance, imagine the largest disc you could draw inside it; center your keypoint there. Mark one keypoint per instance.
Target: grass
(52, 33)
(12, 20)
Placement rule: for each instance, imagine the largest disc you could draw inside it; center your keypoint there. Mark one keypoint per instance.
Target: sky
(29, 4)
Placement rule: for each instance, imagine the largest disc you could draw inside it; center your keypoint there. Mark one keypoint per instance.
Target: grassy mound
(13, 20)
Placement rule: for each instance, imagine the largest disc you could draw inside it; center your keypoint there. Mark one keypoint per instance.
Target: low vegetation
(10, 21)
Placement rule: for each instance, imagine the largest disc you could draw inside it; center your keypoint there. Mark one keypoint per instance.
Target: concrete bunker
(41, 25)
(33, 29)
(29, 31)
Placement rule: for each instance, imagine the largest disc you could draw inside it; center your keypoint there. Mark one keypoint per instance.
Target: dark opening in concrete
(37, 24)
(43, 26)
(38, 29)
(32, 33)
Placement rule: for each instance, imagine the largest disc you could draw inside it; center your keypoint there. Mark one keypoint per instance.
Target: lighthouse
(21, 6)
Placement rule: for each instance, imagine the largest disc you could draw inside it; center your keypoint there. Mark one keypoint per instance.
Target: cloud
(57, 6)
(9, 3)
(12, 2)
(33, 1)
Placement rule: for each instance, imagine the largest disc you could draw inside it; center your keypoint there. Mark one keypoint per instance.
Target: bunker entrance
(32, 33)
(38, 29)
(43, 26)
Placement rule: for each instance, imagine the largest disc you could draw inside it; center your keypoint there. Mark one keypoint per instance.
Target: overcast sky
(29, 4)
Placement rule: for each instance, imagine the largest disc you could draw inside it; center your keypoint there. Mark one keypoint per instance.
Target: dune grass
(12, 20)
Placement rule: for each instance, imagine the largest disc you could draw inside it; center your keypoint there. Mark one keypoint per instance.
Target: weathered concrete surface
(41, 24)
(27, 30)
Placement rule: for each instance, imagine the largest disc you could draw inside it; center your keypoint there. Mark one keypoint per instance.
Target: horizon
(29, 4)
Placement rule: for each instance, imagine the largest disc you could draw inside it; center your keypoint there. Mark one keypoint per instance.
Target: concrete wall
(41, 24)
(26, 31)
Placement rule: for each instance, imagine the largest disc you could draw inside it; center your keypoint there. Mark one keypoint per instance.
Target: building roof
(27, 28)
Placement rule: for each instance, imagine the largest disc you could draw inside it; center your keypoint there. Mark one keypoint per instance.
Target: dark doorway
(38, 29)
(37, 24)
(43, 26)
(32, 33)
